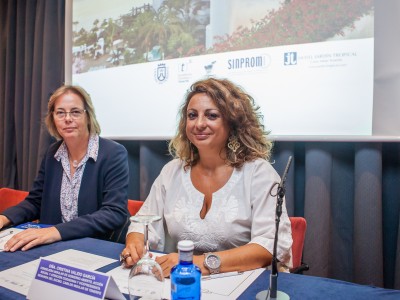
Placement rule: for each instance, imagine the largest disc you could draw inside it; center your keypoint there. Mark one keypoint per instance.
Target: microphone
(283, 178)
(281, 193)
(272, 293)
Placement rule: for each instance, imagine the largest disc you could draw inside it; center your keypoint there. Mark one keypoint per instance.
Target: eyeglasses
(74, 114)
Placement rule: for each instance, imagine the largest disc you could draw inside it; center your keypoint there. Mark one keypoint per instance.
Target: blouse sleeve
(263, 202)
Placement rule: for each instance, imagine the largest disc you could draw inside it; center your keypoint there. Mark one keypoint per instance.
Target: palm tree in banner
(193, 33)
(154, 29)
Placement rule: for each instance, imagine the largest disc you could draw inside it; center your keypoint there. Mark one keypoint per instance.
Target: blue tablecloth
(296, 286)
(302, 287)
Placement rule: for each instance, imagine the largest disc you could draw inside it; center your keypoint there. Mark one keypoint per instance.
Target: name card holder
(62, 282)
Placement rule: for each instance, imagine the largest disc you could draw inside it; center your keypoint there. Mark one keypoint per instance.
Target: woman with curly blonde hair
(217, 190)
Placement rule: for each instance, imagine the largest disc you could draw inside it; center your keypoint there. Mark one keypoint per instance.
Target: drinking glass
(146, 279)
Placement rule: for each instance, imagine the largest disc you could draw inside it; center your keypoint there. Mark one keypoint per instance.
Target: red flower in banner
(296, 22)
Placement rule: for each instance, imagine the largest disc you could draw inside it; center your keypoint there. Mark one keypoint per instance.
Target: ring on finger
(123, 257)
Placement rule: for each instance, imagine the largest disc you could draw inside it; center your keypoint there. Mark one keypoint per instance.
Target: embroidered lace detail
(212, 232)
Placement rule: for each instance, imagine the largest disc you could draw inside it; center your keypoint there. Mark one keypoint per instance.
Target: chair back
(134, 206)
(299, 226)
(10, 197)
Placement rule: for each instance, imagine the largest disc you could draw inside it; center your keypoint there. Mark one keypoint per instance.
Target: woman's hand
(32, 237)
(167, 261)
(134, 249)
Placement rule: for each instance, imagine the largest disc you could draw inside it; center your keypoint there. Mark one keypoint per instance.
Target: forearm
(134, 238)
(244, 258)
(100, 223)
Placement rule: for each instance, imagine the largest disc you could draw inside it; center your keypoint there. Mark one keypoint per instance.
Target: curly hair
(93, 125)
(242, 116)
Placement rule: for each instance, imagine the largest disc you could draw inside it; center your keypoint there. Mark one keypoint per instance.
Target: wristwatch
(212, 262)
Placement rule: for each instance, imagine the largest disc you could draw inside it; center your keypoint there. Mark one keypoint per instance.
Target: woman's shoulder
(111, 149)
(106, 143)
(170, 171)
(258, 162)
(54, 147)
(259, 165)
(172, 166)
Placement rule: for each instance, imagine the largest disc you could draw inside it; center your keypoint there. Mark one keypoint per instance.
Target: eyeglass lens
(74, 114)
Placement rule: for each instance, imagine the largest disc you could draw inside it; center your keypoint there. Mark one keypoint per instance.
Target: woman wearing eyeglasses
(82, 183)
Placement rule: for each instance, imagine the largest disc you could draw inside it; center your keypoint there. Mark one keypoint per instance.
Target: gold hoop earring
(233, 145)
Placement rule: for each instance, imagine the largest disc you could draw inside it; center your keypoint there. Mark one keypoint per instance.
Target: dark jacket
(102, 200)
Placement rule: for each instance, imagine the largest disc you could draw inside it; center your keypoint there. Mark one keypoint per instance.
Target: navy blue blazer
(102, 200)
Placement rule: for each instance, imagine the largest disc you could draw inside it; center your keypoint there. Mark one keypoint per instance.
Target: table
(296, 286)
(303, 287)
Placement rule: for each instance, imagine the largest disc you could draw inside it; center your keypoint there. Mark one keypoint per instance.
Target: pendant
(75, 163)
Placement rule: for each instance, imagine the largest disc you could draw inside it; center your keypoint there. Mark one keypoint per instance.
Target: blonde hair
(93, 125)
(242, 116)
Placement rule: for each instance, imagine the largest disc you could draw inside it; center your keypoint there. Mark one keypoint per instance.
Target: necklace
(75, 163)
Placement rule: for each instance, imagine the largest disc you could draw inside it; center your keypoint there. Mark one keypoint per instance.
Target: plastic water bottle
(185, 276)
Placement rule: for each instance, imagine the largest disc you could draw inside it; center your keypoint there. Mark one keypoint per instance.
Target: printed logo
(161, 73)
(184, 73)
(290, 58)
(251, 62)
(183, 67)
(209, 67)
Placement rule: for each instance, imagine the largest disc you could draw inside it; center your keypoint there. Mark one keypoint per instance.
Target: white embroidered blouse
(242, 211)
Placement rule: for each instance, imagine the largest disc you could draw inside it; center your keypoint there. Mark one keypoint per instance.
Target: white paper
(219, 288)
(19, 278)
(121, 274)
(80, 259)
(228, 287)
(45, 291)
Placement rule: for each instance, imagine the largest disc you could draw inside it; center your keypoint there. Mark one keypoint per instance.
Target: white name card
(62, 282)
